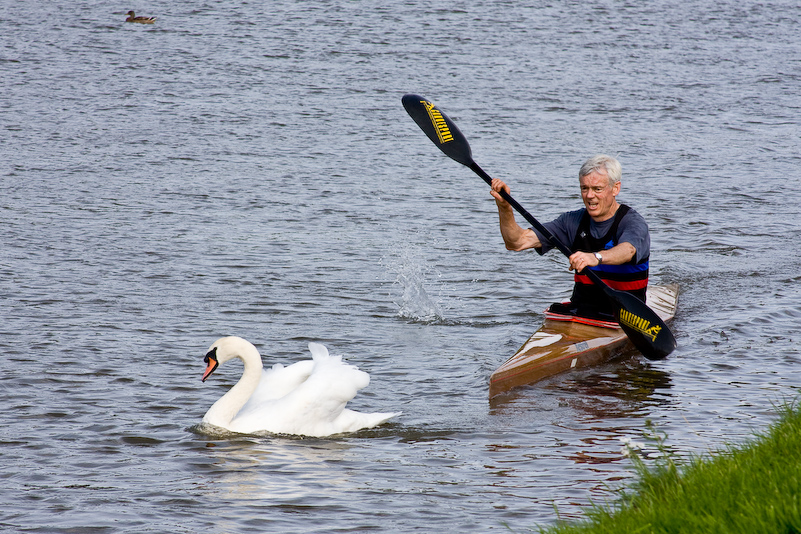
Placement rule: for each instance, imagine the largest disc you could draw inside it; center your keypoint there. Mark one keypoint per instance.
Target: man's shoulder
(634, 230)
(568, 221)
(574, 215)
(632, 216)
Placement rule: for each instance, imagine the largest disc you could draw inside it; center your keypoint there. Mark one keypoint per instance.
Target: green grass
(749, 489)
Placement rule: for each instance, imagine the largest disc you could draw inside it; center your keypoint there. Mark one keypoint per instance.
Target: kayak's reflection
(624, 387)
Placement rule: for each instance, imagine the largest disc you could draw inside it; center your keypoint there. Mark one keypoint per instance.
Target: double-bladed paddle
(646, 330)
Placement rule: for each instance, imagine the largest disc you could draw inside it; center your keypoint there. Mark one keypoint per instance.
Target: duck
(306, 398)
(141, 20)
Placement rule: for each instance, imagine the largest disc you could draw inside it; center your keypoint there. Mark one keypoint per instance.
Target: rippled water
(247, 168)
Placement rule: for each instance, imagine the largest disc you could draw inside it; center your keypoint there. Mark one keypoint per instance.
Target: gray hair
(601, 161)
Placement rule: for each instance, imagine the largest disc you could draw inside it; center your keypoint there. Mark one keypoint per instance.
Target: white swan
(306, 398)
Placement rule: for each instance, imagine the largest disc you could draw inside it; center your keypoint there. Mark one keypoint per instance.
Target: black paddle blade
(645, 328)
(439, 128)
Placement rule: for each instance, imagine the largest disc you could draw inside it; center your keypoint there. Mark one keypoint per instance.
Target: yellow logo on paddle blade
(639, 324)
(443, 132)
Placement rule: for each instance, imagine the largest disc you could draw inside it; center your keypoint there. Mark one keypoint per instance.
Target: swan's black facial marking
(211, 363)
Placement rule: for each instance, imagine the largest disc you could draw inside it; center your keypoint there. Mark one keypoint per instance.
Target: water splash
(411, 273)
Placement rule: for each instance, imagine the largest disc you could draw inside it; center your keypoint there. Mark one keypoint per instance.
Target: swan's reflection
(292, 471)
(272, 484)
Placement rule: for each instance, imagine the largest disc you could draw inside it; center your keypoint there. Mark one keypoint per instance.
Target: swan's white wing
(314, 407)
(337, 380)
(277, 382)
(340, 383)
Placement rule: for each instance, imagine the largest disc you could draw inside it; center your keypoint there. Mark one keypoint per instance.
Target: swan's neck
(225, 409)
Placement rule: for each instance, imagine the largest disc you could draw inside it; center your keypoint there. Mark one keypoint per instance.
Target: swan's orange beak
(211, 363)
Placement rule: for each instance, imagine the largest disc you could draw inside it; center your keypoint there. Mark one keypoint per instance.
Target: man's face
(598, 196)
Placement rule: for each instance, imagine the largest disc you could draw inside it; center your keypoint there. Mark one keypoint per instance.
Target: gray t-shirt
(632, 229)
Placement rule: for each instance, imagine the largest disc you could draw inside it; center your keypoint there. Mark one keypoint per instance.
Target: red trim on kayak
(582, 320)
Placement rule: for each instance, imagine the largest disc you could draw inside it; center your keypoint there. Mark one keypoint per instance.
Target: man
(605, 236)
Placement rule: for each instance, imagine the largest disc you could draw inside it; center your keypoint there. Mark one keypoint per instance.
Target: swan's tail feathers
(381, 418)
(346, 378)
(321, 354)
(359, 420)
(318, 351)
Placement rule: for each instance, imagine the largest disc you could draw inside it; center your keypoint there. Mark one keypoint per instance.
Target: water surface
(247, 168)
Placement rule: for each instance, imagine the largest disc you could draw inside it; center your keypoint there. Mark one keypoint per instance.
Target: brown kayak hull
(560, 346)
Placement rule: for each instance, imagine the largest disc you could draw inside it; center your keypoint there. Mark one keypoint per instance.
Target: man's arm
(617, 255)
(515, 237)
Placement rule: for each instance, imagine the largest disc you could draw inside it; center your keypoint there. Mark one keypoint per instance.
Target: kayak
(566, 342)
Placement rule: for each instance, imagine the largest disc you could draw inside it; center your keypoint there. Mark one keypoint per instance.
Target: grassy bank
(748, 489)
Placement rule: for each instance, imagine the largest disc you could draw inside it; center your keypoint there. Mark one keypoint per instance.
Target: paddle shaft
(544, 231)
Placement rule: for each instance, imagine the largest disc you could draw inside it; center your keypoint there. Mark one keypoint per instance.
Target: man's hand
(498, 186)
(580, 260)
(617, 255)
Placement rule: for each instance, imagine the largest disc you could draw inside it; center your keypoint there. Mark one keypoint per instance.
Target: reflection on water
(279, 471)
(624, 387)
